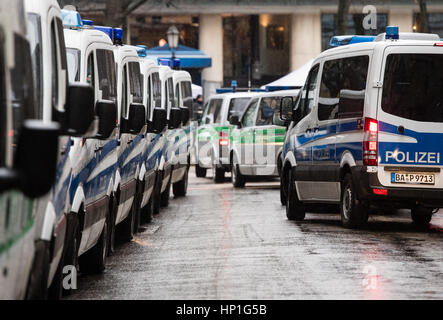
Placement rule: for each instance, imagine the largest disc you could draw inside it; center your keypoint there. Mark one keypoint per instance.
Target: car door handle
(152, 139)
(99, 149)
(130, 141)
(308, 130)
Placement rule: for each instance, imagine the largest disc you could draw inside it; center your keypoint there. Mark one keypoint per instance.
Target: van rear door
(410, 117)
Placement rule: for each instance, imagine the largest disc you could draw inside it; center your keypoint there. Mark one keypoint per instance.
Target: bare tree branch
(342, 16)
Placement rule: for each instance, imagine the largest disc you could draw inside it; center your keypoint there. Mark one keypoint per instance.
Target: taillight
(223, 139)
(370, 142)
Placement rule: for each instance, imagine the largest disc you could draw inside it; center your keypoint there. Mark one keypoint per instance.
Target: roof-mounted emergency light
(164, 62)
(392, 33)
(337, 41)
(117, 36)
(107, 30)
(141, 50)
(71, 19)
(88, 23)
(176, 63)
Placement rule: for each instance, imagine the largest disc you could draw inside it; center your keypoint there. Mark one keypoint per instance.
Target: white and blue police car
(367, 129)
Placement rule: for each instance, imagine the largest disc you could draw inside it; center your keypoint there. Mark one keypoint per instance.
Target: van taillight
(223, 138)
(370, 142)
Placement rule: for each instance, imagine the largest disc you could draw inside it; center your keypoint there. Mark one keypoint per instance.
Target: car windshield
(73, 57)
(237, 105)
(413, 87)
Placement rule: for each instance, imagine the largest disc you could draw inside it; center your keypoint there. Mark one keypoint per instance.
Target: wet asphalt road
(221, 243)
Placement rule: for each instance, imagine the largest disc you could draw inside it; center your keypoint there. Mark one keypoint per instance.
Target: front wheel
(180, 188)
(283, 189)
(353, 212)
(295, 210)
(238, 180)
(421, 216)
(164, 197)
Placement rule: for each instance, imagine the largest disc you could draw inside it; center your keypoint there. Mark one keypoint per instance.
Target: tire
(72, 246)
(38, 278)
(354, 213)
(238, 180)
(295, 209)
(55, 290)
(94, 261)
(180, 188)
(138, 197)
(219, 175)
(126, 228)
(200, 172)
(164, 197)
(113, 207)
(421, 216)
(283, 184)
(156, 194)
(146, 213)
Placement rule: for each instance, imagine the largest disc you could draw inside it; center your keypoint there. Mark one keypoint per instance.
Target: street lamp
(172, 34)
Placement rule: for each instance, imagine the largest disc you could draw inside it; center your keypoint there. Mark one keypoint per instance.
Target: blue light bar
(176, 63)
(234, 83)
(88, 22)
(107, 30)
(391, 33)
(337, 41)
(224, 90)
(117, 36)
(141, 50)
(71, 19)
(280, 88)
(164, 62)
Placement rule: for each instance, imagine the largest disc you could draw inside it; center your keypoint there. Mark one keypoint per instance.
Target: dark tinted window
(106, 74)
(124, 98)
(171, 92)
(54, 62)
(269, 111)
(342, 87)
(309, 92)
(186, 93)
(135, 82)
(214, 109)
(237, 106)
(413, 86)
(35, 42)
(156, 90)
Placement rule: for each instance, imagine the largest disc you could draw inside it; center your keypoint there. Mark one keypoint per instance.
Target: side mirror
(175, 118)
(286, 109)
(79, 109)
(235, 120)
(136, 119)
(33, 175)
(186, 115)
(106, 111)
(159, 121)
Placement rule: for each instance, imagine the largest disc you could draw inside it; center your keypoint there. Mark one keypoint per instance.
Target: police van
(182, 82)
(94, 157)
(169, 156)
(256, 143)
(23, 176)
(70, 105)
(367, 129)
(213, 133)
(155, 137)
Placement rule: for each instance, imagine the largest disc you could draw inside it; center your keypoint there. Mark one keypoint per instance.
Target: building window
(355, 26)
(275, 37)
(435, 23)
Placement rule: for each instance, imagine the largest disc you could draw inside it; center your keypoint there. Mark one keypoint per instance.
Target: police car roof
(41, 7)
(380, 43)
(280, 93)
(125, 51)
(231, 95)
(147, 65)
(181, 75)
(82, 38)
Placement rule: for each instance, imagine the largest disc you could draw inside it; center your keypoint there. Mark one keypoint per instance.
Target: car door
(245, 139)
(269, 136)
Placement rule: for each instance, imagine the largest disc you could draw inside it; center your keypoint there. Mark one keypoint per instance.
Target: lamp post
(172, 35)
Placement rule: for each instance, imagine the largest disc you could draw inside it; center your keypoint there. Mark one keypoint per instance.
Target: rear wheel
(283, 186)
(38, 279)
(164, 197)
(219, 175)
(94, 260)
(295, 210)
(199, 171)
(126, 228)
(354, 213)
(156, 194)
(180, 188)
(421, 216)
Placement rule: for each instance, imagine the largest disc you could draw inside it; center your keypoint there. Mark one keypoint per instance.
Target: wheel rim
(347, 202)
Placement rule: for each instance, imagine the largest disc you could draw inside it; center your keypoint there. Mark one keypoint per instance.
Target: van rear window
(413, 87)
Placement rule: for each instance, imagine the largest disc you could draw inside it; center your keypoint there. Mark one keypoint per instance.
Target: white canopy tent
(296, 78)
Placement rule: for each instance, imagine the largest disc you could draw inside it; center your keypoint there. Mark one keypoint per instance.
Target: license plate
(412, 178)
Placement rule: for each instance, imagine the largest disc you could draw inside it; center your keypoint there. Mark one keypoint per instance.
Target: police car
(368, 129)
(94, 157)
(23, 176)
(73, 109)
(256, 143)
(212, 141)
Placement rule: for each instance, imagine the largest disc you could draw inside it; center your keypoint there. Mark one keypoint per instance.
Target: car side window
(54, 62)
(124, 99)
(106, 74)
(309, 92)
(269, 110)
(249, 116)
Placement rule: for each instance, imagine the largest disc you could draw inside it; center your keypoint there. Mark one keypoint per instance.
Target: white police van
(131, 137)
(182, 82)
(368, 129)
(94, 158)
(23, 176)
(174, 116)
(70, 105)
(155, 137)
